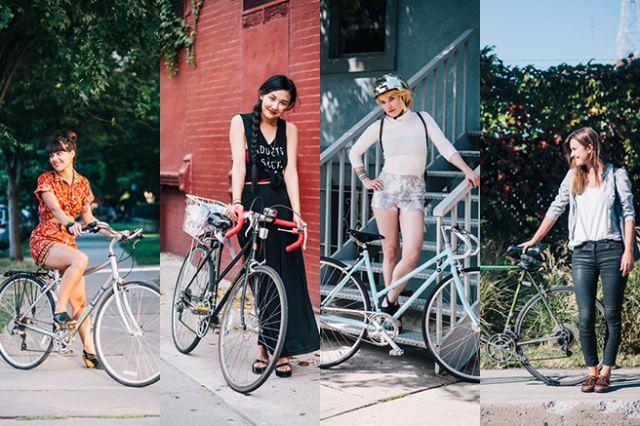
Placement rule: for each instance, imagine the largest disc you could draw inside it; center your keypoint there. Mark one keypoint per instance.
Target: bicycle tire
(144, 300)
(337, 347)
(10, 345)
(273, 299)
(182, 330)
(553, 374)
(458, 352)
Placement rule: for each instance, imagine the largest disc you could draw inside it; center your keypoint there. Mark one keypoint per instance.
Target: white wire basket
(196, 213)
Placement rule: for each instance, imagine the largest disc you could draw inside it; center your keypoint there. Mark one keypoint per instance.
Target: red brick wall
(235, 53)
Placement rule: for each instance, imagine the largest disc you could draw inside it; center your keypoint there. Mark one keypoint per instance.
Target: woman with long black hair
(264, 174)
(601, 236)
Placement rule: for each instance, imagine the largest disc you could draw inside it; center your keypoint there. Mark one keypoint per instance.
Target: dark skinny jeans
(590, 260)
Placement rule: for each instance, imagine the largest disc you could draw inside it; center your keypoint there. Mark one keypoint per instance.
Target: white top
(403, 143)
(592, 214)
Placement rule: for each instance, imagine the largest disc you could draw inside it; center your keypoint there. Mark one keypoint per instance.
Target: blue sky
(549, 32)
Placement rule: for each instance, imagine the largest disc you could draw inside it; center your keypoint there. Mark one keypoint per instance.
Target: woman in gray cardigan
(601, 235)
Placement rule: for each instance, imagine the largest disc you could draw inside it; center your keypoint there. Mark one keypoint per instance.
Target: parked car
(26, 225)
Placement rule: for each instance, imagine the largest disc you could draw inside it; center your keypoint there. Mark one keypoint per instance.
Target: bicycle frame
(113, 280)
(443, 260)
(525, 279)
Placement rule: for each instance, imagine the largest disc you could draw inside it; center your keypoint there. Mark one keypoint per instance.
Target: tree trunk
(13, 163)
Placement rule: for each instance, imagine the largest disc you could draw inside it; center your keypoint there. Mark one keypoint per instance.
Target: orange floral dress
(72, 197)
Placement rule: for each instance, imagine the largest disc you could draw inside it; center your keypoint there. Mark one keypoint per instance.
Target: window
(361, 36)
(250, 4)
(361, 30)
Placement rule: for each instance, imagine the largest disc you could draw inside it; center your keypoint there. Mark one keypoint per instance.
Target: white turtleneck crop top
(403, 142)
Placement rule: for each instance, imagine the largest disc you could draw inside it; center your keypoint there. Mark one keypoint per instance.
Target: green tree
(88, 65)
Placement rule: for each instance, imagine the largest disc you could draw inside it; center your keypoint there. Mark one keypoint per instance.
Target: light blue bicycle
(451, 316)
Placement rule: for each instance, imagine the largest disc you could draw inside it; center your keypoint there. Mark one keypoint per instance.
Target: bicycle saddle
(219, 221)
(364, 237)
(534, 251)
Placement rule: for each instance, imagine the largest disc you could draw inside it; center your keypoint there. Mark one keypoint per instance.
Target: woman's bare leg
(73, 262)
(387, 222)
(79, 304)
(412, 228)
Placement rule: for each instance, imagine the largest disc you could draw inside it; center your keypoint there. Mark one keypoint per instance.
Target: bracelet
(236, 202)
(362, 175)
(69, 225)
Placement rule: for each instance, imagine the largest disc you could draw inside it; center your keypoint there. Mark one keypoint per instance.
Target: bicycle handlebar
(233, 231)
(302, 231)
(471, 242)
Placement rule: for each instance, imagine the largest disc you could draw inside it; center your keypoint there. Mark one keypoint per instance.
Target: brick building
(239, 44)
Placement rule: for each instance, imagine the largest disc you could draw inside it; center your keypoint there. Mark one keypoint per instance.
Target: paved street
(62, 391)
(195, 393)
(512, 397)
(377, 389)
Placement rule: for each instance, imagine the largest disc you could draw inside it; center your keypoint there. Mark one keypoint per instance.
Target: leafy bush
(526, 115)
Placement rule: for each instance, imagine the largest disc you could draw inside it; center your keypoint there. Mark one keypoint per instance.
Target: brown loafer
(602, 384)
(589, 384)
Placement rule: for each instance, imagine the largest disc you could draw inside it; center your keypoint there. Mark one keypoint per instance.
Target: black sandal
(256, 369)
(286, 373)
(91, 361)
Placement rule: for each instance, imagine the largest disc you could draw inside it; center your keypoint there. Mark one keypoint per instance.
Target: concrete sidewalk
(513, 397)
(62, 391)
(195, 393)
(375, 389)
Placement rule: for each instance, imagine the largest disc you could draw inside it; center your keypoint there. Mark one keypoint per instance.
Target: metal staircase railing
(446, 75)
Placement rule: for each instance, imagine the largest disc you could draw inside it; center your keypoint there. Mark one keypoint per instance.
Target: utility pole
(628, 42)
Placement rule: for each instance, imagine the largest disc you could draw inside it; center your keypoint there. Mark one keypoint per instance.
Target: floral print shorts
(400, 192)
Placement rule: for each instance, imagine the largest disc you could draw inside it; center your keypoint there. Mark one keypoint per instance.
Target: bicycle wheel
(254, 314)
(21, 347)
(548, 338)
(188, 324)
(341, 331)
(453, 339)
(130, 358)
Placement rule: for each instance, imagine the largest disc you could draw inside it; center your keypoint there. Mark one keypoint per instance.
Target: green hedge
(526, 115)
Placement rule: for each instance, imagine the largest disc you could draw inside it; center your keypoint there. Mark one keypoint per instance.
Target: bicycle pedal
(396, 352)
(202, 310)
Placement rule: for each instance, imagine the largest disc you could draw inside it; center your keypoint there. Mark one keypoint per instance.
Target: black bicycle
(252, 310)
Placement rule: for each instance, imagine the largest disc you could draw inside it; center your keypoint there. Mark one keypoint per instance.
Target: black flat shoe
(62, 321)
(284, 373)
(391, 310)
(256, 369)
(91, 361)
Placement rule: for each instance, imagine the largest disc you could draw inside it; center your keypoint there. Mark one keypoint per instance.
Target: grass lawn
(147, 251)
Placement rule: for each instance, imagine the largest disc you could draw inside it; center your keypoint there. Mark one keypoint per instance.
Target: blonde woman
(399, 190)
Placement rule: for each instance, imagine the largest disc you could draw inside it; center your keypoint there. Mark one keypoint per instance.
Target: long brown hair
(586, 137)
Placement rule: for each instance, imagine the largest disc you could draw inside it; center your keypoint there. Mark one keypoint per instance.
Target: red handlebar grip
(297, 244)
(287, 223)
(233, 231)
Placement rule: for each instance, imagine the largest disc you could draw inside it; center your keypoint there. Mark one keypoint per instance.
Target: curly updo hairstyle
(273, 83)
(62, 141)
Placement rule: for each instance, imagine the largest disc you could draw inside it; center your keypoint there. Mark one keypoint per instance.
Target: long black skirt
(302, 332)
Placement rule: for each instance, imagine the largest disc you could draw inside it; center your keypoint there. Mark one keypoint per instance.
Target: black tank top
(271, 158)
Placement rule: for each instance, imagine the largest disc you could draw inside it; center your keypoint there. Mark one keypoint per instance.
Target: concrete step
(432, 220)
(443, 195)
(426, 246)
